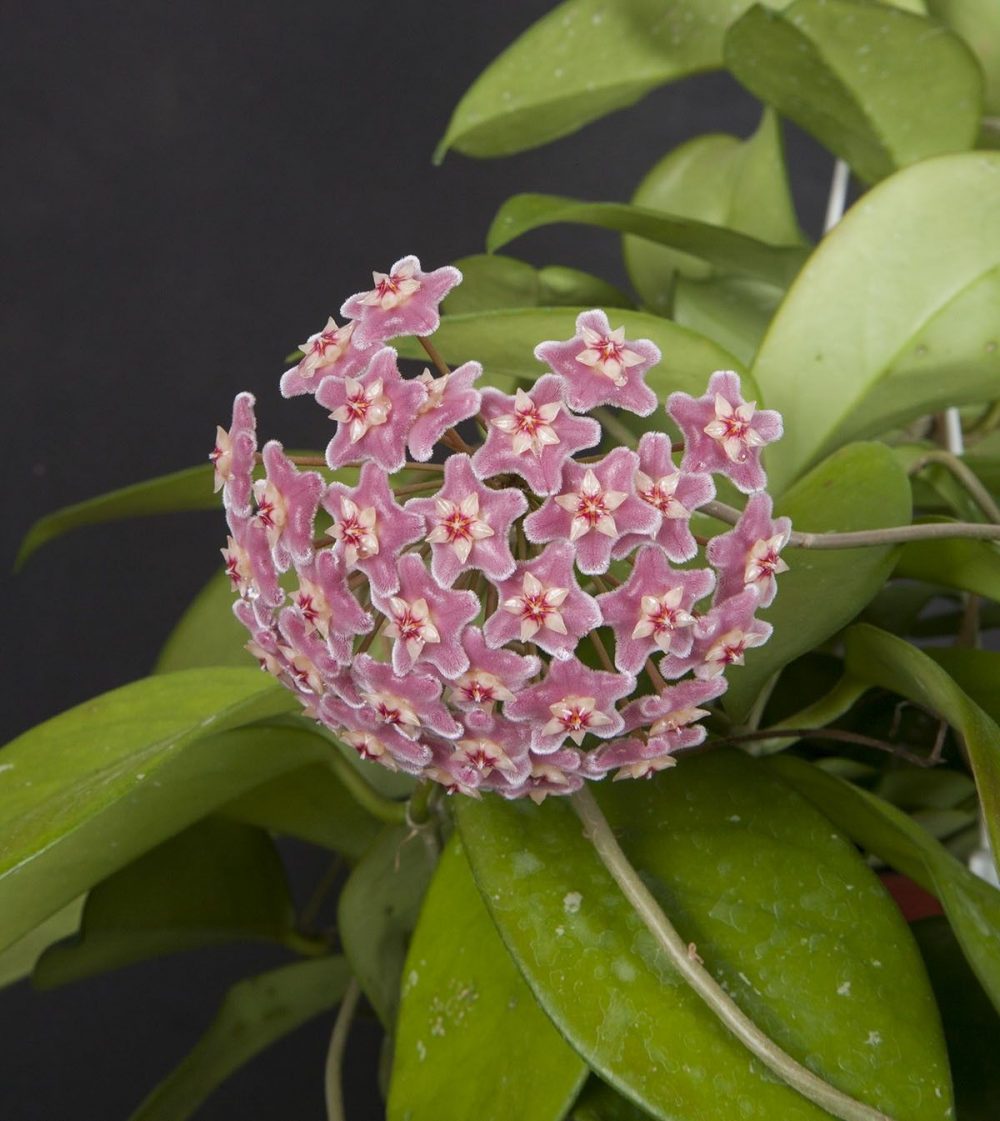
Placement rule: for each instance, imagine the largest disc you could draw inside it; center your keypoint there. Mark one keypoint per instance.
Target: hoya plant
(628, 651)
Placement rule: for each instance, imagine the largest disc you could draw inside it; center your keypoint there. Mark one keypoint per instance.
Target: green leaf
(971, 1023)
(18, 960)
(854, 74)
(978, 23)
(717, 245)
(882, 659)
(472, 1042)
(720, 179)
(218, 881)
(583, 60)
(859, 487)
(599, 1102)
(965, 564)
(504, 341)
(492, 281)
(309, 803)
(782, 910)
(378, 911)
(208, 633)
(895, 315)
(254, 1014)
(972, 906)
(190, 489)
(90, 790)
(733, 311)
(976, 672)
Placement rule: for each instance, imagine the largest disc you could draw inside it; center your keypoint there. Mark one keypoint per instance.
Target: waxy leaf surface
(91, 789)
(725, 248)
(893, 317)
(738, 184)
(378, 910)
(971, 904)
(472, 1042)
(783, 911)
(491, 281)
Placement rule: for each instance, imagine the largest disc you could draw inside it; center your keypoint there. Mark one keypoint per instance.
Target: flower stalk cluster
(521, 617)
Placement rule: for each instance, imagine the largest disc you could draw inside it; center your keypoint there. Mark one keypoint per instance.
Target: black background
(189, 189)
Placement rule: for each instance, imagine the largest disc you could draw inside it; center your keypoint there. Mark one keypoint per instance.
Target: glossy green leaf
(738, 184)
(964, 564)
(733, 311)
(583, 60)
(976, 672)
(854, 74)
(978, 23)
(882, 659)
(378, 911)
(504, 341)
(782, 910)
(472, 1042)
(90, 790)
(254, 1014)
(859, 487)
(310, 803)
(972, 906)
(190, 489)
(894, 316)
(218, 881)
(971, 1023)
(725, 248)
(491, 281)
(207, 634)
(18, 960)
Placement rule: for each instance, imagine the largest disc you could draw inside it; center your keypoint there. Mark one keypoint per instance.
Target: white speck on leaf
(844, 989)
(571, 902)
(874, 1039)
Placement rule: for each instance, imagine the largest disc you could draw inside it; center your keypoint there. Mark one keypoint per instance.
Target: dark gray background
(189, 190)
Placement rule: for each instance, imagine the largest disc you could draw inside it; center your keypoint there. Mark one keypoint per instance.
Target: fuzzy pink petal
(458, 402)
(417, 314)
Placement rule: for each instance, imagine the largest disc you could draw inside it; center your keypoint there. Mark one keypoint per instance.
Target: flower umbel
(491, 622)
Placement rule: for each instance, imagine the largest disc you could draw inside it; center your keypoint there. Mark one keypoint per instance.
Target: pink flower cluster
(509, 620)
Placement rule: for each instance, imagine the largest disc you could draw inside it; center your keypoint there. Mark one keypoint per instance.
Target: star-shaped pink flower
(750, 552)
(722, 637)
(374, 413)
(600, 367)
(492, 743)
(234, 456)
(404, 301)
(311, 660)
(249, 563)
(672, 493)
(492, 676)
(374, 740)
(287, 500)
(450, 400)
(556, 773)
(330, 352)
(468, 524)
(371, 529)
(571, 702)
(410, 703)
(595, 507)
(673, 711)
(532, 435)
(325, 600)
(543, 604)
(724, 433)
(426, 621)
(652, 610)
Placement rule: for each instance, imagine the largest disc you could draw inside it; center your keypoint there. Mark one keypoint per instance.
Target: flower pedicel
(509, 620)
